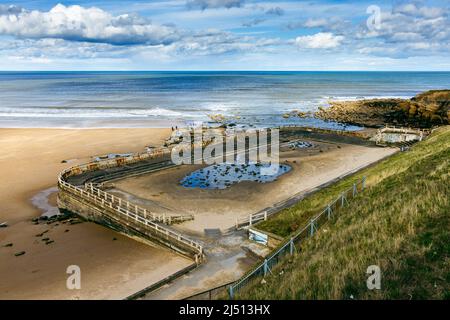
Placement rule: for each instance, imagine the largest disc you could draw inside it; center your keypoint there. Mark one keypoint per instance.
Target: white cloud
(11, 9)
(276, 11)
(84, 24)
(207, 43)
(214, 42)
(205, 4)
(408, 30)
(413, 10)
(315, 23)
(321, 40)
(329, 24)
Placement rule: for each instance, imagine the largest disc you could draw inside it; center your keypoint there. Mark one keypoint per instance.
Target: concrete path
(226, 262)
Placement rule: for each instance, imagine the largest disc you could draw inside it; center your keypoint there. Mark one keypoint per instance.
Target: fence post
(230, 292)
(363, 183)
(311, 231)
(329, 212)
(291, 246)
(265, 215)
(250, 219)
(266, 267)
(354, 189)
(342, 199)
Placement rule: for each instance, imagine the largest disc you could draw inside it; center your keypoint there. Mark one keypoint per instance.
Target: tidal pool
(224, 175)
(300, 145)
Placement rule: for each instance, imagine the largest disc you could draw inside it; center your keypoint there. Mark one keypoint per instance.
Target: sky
(225, 35)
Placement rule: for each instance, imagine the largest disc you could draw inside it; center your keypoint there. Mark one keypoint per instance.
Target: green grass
(290, 219)
(400, 223)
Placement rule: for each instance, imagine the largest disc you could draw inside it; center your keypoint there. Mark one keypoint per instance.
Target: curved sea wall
(78, 195)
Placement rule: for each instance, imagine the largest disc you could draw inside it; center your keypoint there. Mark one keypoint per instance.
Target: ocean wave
(59, 112)
(220, 107)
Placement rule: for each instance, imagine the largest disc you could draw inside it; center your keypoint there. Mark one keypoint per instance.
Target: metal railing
(289, 247)
(210, 294)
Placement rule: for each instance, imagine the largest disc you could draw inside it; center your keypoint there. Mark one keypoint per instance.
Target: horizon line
(221, 70)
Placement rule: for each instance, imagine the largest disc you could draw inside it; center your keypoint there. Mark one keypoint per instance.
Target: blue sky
(224, 35)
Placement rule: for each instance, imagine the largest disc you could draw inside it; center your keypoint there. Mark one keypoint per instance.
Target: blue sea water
(137, 99)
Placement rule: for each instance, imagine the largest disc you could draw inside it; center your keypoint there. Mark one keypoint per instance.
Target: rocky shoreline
(425, 110)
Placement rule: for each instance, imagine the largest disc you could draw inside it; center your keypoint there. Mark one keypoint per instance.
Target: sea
(161, 99)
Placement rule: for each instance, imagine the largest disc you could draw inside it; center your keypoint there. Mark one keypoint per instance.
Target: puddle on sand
(41, 201)
(300, 145)
(223, 175)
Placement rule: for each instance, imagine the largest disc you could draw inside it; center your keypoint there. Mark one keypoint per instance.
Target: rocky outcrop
(422, 111)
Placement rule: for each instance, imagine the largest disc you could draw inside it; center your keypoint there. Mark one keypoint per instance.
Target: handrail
(147, 222)
(137, 209)
(96, 194)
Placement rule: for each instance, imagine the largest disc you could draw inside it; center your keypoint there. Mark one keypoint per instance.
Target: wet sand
(110, 269)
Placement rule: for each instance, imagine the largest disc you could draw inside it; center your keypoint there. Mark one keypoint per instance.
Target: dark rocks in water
(8, 244)
(21, 253)
(425, 110)
(114, 239)
(49, 242)
(64, 161)
(3, 225)
(224, 177)
(45, 239)
(67, 230)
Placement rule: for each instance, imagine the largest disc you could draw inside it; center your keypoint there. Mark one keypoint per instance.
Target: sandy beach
(111, 269)
(114, 266)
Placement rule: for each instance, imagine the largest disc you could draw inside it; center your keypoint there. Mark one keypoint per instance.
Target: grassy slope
(401, 223)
